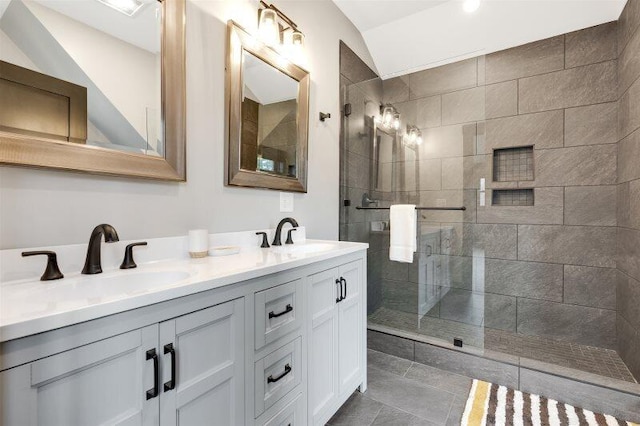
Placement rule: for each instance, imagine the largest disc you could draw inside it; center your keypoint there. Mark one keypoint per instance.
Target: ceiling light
(470, 6)
(128, 7)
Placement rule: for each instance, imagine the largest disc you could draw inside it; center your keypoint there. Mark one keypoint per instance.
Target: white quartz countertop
(31, 306)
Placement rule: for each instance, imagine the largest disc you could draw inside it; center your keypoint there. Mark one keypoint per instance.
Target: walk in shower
(516, 171)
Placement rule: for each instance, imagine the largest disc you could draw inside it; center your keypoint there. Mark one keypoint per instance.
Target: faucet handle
(289, 239)
(52, 272)
(128, 262)
(265, 242)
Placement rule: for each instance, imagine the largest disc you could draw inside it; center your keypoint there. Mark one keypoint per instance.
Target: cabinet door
(208, 367)
(323, 351)
(350, 327)
(102, 383)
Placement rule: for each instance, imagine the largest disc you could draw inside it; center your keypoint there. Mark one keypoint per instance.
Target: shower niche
(513, 166)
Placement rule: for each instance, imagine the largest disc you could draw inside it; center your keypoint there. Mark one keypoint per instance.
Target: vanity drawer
(277, 374)
(278, 311)
(291, 415)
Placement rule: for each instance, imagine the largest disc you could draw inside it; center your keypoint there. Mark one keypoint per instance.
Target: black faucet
(93, 264)
(276, 239)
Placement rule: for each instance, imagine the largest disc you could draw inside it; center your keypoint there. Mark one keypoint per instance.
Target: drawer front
(278, 311)
(277, 374)
(291, 415)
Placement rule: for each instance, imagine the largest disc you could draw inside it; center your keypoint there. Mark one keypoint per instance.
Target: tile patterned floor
(604, 362)
(405, 393)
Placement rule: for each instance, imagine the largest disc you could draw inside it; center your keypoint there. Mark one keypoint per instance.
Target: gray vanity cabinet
(281, 349)
(207, 369)
(336, 351)
(113, 381)
(105, 382)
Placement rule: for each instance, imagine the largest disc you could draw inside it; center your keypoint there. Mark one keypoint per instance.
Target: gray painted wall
(40, 207)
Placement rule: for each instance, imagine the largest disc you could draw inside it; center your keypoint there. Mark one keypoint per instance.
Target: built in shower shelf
(513, 197)
(513, 164)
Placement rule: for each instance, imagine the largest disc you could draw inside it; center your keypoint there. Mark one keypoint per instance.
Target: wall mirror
(94, 85)
(267, 116)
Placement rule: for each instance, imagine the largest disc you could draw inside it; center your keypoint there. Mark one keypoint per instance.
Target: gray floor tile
(386, 362)
(389, 416)
(357, 411)
(457, 410)
(450, 382)
(423, 401)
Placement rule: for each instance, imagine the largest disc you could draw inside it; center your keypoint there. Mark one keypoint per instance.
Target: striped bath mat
(490, 404)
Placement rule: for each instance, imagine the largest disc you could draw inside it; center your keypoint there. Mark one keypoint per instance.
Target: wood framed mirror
(267, 116)
(92, 88)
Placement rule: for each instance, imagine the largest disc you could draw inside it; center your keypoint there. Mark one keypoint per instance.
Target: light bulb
(297, 39)
(396, 121)
(295, 46)
(470, 6)
(387, 116)
(268, 27)
(419, 140)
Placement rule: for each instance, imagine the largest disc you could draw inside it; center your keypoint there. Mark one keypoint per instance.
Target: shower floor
(604, 362)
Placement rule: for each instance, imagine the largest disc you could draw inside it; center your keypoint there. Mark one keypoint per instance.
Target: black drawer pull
(345, 287)
(339, 298)
(171, 384)
(288, 309)
(287, 370)
(151, 354)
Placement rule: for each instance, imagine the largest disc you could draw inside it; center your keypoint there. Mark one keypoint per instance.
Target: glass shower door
(440, 295)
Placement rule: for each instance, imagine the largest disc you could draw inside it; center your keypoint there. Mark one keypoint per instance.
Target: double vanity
(268, 336)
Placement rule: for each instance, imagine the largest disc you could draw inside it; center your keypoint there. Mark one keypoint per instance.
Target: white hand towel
(404, 230)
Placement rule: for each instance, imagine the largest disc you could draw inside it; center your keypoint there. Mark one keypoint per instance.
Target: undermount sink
(304, 248)
(77, 290)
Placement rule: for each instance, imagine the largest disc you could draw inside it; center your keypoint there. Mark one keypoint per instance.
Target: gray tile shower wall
(550, 268)
(360, 87)
(628, 190)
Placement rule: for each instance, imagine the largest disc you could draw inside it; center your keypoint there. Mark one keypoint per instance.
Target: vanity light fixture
(413, 137)
(277, 30)
(390, 117)
(396, 120)
(470, 6)
(268, 28)
(128, 7)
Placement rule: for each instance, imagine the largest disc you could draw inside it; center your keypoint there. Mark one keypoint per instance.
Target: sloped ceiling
(405, 36)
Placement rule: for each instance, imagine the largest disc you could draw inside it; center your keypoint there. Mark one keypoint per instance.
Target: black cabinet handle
(287, 370)
(345, 287)
(51, 272)
(339, 298)
(288, 309)
(151, 354)
(171, 384)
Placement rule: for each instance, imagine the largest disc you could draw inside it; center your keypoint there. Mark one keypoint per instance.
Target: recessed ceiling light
(128, 7)
(470, 6)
